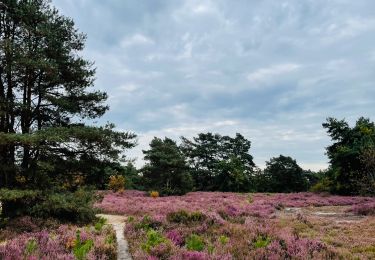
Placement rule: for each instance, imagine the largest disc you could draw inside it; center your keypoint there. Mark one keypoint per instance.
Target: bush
(185, 217)
(261, 241)
(31, 247)
(323, 185)
(17, 202)
(154, 194)
(195, 243)
(81, 248)
(223, 239)
(67, 206)
(147, 223)
(154, 238)
(100, 224)
(116, 183)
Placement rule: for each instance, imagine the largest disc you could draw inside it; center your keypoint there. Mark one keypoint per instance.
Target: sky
(271, 70)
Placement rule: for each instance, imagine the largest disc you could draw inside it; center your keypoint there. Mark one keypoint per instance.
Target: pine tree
(45, 96)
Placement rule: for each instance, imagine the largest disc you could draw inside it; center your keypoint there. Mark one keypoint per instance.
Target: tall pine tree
(45, 96)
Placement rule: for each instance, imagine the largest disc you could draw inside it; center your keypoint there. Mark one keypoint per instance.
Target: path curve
(118, 223)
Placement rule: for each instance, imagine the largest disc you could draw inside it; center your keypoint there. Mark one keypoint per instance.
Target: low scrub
(73, 207)
(185, 217)
(116, 183)
(366, 209)
(195, 243)
(66, 242)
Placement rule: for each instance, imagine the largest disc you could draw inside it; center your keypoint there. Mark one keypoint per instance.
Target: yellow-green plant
(116, 183)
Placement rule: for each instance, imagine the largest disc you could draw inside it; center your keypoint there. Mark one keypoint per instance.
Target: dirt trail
(337, 214)
(118, 223)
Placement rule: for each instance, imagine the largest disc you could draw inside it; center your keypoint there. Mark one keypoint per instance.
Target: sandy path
(118, 223)
(337, 214)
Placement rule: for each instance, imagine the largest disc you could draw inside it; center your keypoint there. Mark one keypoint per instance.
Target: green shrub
(324, 185)
(180, 216)
(261, 241)
(99, 224)
(67, 206)
(185, 217)
(154, 238)
(223, 239)
(18, 202)
(197, 216)
(147, 223)
(195, 243)
(31, 247)
(110, 239)
(81, 249)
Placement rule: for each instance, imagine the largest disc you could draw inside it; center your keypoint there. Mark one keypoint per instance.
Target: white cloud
(128, 88)
(355, 26)
(187, 51)
(265, 74)
(203, 8)
(136, 39)
(344, 29)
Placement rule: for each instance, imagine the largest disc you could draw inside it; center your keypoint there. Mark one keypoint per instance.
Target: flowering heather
(240, 226)
(176, 237)
(260, 205)
(366, 209)
(61, 244)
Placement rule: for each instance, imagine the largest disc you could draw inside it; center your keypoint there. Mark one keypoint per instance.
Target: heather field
(215, 225)
(25, 239)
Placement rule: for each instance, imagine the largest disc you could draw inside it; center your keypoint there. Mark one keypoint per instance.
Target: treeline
(212, 162)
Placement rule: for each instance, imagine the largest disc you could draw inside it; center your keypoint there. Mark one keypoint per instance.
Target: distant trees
(351, 156)
(223, 163)
(284, 175)
(219, 162)
(166, 170)
(211, 162)
(132, 177)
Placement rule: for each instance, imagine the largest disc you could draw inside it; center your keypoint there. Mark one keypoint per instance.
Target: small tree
(285, 175)
(166, 170)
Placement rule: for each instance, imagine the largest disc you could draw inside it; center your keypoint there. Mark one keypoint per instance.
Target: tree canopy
(219, 162)
(351, 156)
(284, 175)
(166, 170)
(45, 93)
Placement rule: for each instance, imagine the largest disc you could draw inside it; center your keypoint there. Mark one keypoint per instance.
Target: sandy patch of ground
(118, 223)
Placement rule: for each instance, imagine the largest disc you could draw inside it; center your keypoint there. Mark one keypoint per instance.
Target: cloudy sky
(272, 70)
